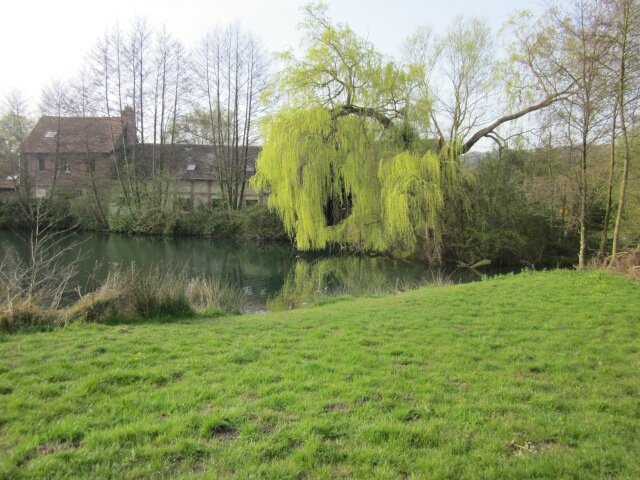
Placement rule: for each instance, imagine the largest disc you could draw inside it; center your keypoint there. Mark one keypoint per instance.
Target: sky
(42, 41)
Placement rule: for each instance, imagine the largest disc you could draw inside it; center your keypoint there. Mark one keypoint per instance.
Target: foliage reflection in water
(271, 275)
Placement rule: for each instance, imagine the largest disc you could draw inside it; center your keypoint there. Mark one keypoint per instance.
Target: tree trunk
(612, 167)
(583, 205)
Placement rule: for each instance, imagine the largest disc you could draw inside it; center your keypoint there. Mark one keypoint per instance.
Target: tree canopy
(341, 157)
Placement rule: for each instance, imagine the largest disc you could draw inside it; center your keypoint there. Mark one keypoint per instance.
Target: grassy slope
(527, 376)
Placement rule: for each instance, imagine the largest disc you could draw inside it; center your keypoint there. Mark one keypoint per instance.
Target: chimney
(129, 125)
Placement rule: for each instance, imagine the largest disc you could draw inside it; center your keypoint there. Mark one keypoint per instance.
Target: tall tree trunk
(583, 205)
(612, 167)
(622, 80)
(623, 186)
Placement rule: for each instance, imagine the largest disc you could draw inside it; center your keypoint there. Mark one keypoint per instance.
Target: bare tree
(15, 125)
(83, 105)
(585, 44)
(171, 84)
(230, 68)
(56, 102)
(34, 287)
(626, 28)
(474, 94)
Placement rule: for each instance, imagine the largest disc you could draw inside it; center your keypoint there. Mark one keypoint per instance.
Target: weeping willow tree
(342, 159)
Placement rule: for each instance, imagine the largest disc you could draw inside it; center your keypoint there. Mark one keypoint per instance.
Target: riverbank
(257, 224)
(522, 376)
(271, 275)
(252, 223)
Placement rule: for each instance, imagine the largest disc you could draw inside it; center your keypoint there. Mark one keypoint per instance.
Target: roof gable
(74, 134)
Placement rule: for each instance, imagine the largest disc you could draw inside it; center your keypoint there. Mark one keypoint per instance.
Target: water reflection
(271, 274)
(356, 275)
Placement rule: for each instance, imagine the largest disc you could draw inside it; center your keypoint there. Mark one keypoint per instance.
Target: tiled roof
(74, 134)
(188, 161)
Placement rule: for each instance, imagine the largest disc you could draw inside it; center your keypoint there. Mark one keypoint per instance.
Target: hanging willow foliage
(341, 159)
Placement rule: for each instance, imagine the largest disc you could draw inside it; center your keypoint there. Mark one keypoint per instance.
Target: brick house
(73, 155)
(76, 156)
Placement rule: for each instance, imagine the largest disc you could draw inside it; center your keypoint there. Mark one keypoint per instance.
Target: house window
(41, 164)
(191, 167)
(80, 192)
(41, 192)
(50, 134)
(91, 165)
(66, 168)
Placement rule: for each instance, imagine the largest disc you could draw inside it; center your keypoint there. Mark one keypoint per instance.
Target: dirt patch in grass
(403, 363)
(376, 397)
(336, 407)
(267, 428)
(47, 448)
(226, 435)
(457, 382)
(220, 429)
(522, 449)
(199, 467)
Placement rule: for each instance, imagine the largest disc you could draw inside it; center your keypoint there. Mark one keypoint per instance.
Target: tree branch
(348, 109)
(483, 132)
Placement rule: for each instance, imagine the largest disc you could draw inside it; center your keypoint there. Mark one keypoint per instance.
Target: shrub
(16, 314)
(101, 306)
(12, 214)
(254, 222)
(627, 263)
(151, 220)
(209, 296)
(129, 293)
(215, 223)
(258, 223)
(85, 214)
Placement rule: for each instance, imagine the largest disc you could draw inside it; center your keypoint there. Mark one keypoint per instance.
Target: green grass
(525, 376)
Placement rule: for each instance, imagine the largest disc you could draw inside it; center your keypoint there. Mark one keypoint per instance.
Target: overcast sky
(45, 40)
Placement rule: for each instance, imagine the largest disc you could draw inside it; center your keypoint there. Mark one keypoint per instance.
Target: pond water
(272, 275)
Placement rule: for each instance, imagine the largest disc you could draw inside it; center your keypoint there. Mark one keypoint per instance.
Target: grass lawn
(535, 375)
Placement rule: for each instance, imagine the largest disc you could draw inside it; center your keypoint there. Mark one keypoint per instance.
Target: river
(271, 275)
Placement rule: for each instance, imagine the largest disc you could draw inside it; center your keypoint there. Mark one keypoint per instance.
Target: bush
(17, 314)
(150, 220)
(12, 215)
(251, 223)
(85, 214)
(52, 211)
(503, 218)
(254, 222)
(206, 295)
(130, 294)
(258, 223)
(627, 263)
(214, 223)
